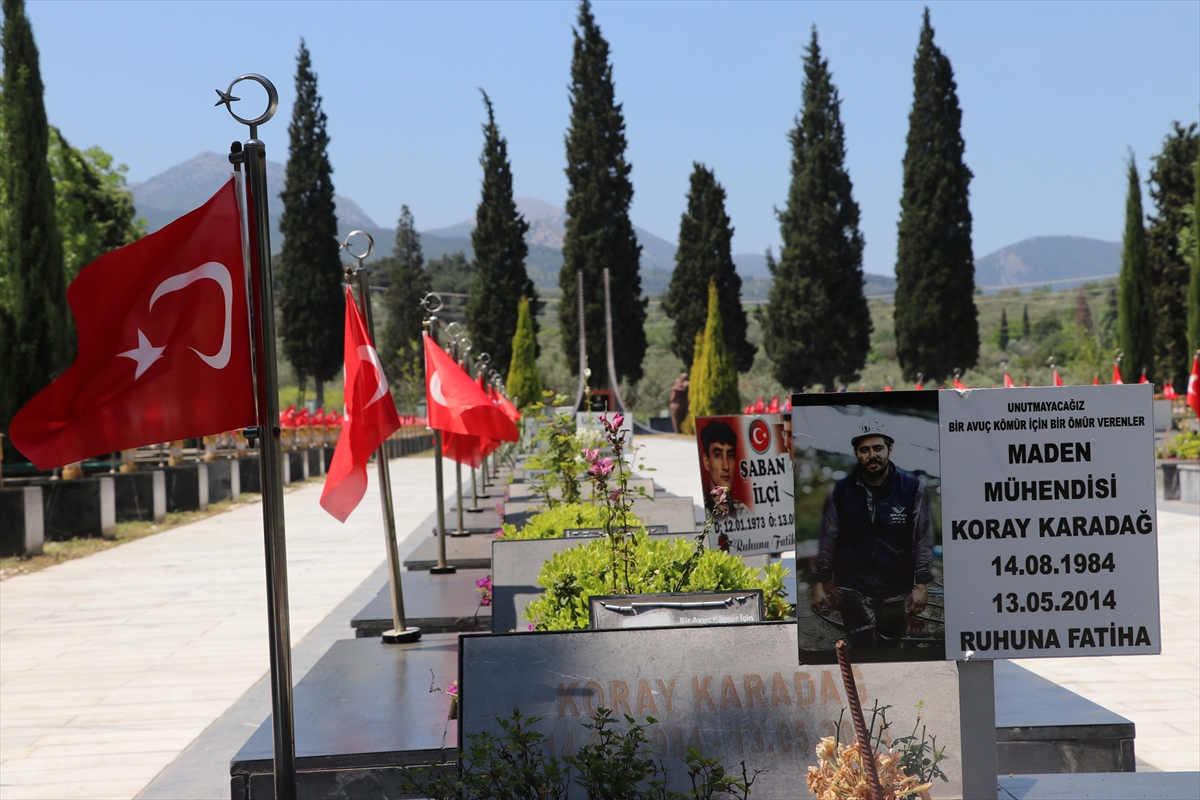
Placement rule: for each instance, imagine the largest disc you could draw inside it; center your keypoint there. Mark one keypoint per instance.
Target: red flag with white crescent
(456, 404)
(370, 418)
(1117, 375)
(164, 345)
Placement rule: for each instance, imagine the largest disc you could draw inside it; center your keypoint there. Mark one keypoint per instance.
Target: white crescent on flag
(214, 271)
(435, 389)
(367, 353)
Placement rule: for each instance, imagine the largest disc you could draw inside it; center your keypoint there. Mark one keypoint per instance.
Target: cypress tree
(499, 243)
(408, 283)
(817, 326)
(524, 381)
(704, 255)
(1083, 312)
(720, 394)
(697, 383)
(36, 331)
(1003, 329)
(1193, 301)
(937, 326)
(311, 300)
(1172, 186)
(1026, 330)
(599, 233)
(1135, 303)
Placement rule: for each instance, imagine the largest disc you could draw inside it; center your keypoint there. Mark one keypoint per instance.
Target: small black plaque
(592, 533)
(675, 609)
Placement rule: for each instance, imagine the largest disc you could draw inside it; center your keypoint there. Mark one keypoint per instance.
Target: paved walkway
(112, 665)
(1160, 694)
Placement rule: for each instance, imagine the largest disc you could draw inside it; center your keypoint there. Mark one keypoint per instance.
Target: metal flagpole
(442, 568)
(462, 348)
(400, 632)
(262, 311)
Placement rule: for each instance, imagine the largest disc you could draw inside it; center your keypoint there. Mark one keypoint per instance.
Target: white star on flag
(144, 355)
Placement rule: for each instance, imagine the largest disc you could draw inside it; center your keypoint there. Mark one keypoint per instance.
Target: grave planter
(22, 530)
(316, 462)
(83, 507)
(140, 496)
(295, 466)
(250, 474)
(187, 487)
(224, 480)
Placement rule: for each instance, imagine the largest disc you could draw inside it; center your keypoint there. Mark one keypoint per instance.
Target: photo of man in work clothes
(875, 552)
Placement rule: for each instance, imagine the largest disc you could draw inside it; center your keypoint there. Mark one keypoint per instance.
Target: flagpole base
(406, 636)
(446, 570)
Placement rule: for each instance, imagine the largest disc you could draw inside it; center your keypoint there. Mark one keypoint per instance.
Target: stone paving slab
(150, 642)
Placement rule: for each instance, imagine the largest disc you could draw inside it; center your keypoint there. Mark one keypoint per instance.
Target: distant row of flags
(1169, 392)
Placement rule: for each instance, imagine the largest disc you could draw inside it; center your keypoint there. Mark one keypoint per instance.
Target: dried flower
(839, 774)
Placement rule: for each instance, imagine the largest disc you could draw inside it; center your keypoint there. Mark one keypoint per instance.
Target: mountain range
(1064, 260)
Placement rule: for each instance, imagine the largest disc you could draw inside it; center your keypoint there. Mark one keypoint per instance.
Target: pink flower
(452, 689)
(602, 467)
(615, 494)
(590, 455)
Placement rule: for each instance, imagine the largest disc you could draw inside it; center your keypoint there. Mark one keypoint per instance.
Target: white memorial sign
(1049, 523)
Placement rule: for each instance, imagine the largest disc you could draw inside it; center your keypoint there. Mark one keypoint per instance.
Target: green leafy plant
(559, 457)
(656, 565)
(612, 766)
(1185, 445)
(551, 523)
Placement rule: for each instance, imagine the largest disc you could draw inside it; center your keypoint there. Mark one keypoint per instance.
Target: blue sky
(1053, 95)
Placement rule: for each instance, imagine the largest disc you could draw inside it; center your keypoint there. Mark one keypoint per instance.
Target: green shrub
(550, 524)
(658, 565)
(1186, 445)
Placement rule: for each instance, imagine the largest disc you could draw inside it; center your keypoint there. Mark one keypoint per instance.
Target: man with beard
(875, 555)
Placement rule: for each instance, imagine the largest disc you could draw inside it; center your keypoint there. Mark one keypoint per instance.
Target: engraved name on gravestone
(731, 691)
(1050, 522)
(675, 609)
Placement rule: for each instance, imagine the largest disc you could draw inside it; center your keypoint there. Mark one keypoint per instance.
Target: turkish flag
(959, 384)
(370, 418)
(505, 404)
(1143, 378)
(1057, 379)
(1193, 392)
(456, 404)
(1117, 375)
(1008, 382)
(164, 345)
(1096, 380)
(467, 449)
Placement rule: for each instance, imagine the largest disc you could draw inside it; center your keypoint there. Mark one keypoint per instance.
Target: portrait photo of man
(875, 553)
(868, 526)
(719, 460)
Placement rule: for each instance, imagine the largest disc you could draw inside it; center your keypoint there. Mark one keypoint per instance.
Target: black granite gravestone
(730, 691)
(81, 507)
(22, 528)
(316, 464)
(363, 714)
(187, 487)
(140, 496)
(433, 603)
(224, 480)
(249, 473)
